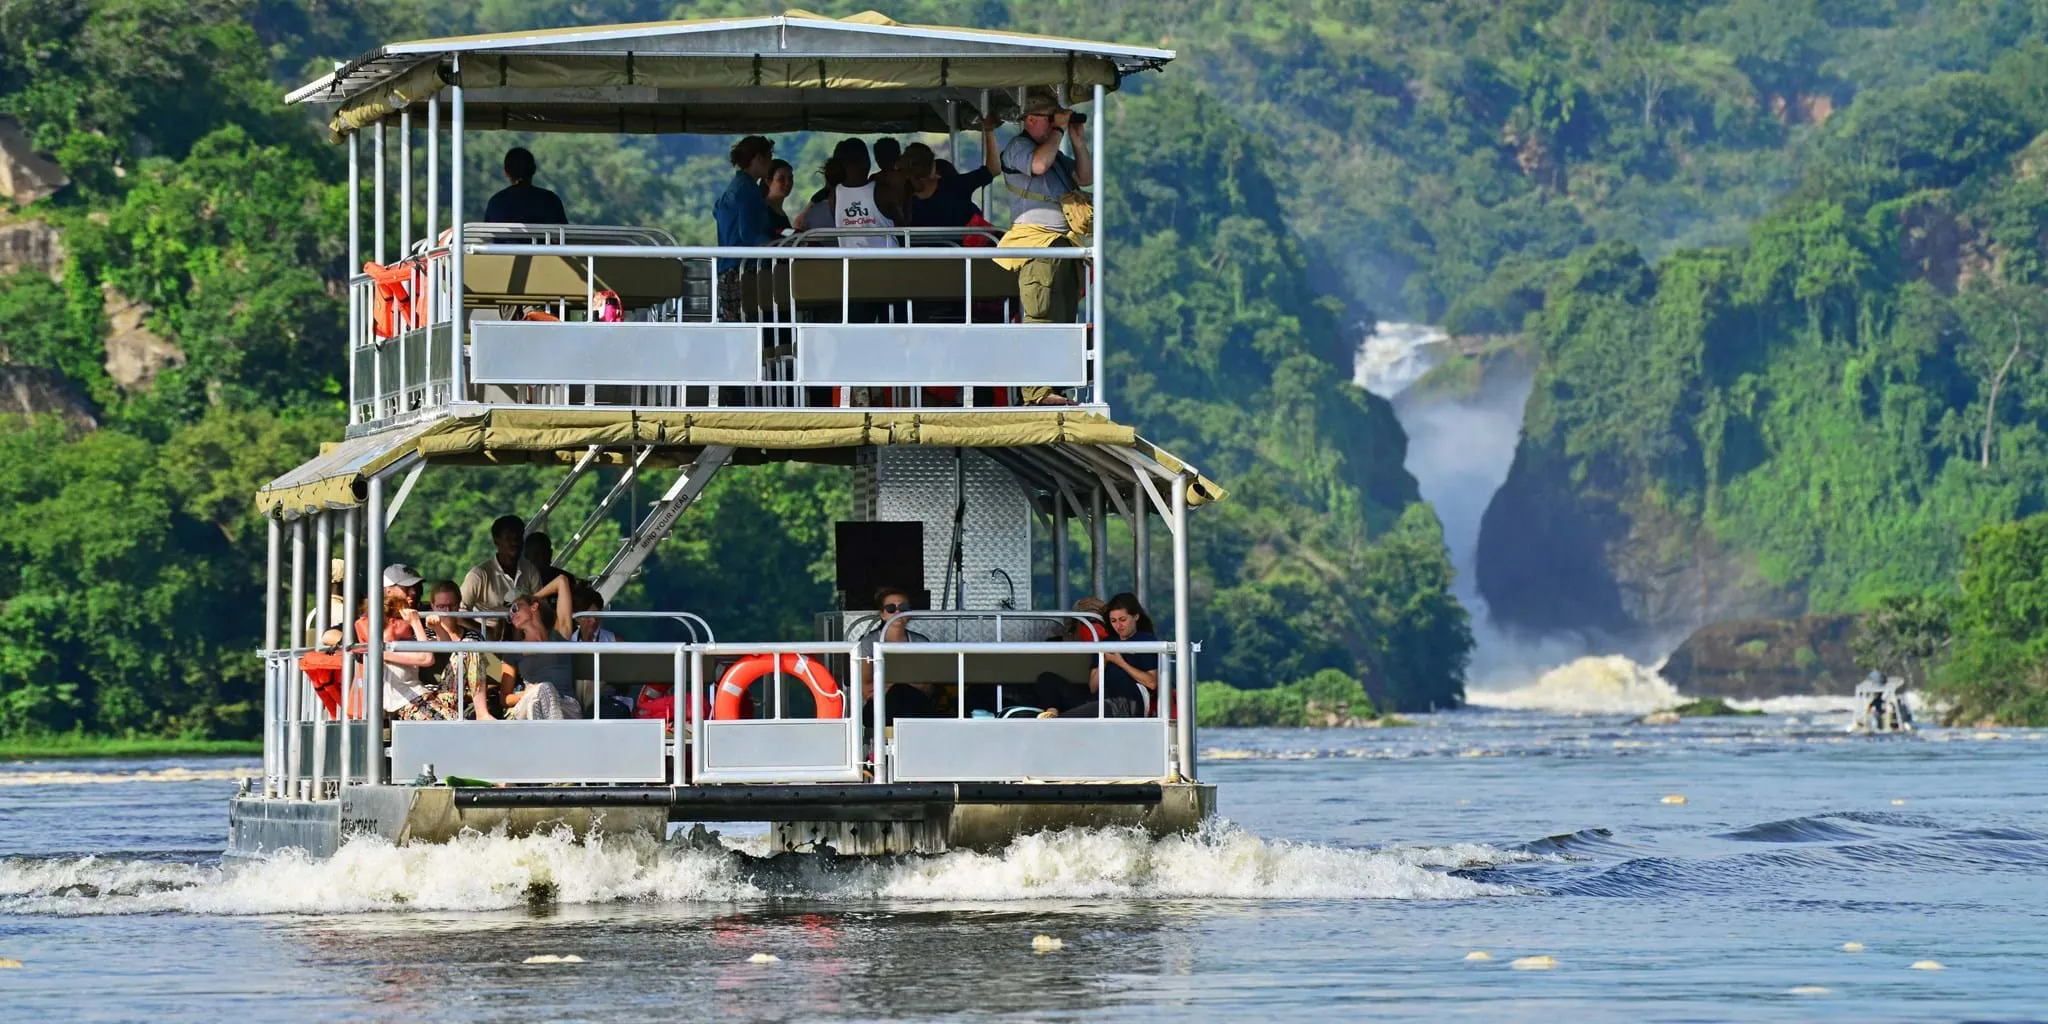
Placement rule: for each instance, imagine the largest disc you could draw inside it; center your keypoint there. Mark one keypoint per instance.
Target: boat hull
(857, 819)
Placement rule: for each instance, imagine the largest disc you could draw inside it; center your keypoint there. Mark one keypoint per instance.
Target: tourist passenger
(1125, 683)
(776, 189)
(539, 685)
(904, 700)
(444, 599)
(539, 550)
(407, 695)
(522, 202)
(941, 197)
(851, 202)
(887, 150)
(1039, 178)
(742, 217)
(401, 580)
(491, 585)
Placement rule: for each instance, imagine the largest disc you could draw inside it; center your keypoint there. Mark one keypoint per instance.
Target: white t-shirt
(854, 207)
(402, 686)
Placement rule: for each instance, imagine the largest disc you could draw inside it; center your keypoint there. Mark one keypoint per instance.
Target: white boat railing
(810, 322)
(777, 744)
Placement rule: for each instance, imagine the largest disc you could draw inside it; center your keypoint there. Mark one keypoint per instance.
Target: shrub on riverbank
(1329, 699)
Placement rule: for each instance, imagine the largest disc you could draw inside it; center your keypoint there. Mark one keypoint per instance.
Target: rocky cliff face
(1558, 556)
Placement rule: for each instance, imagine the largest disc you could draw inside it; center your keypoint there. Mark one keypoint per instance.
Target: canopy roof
(1050, 449)
(788, 72)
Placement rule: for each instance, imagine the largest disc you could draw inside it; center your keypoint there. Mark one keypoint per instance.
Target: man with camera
(1048, 208)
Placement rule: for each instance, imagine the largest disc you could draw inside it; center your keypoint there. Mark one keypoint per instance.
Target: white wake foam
(496, 872)
(1603, 685)
(81, 778)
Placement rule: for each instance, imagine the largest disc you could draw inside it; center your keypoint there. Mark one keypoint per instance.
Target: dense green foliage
(131, 562)
(1327, 698)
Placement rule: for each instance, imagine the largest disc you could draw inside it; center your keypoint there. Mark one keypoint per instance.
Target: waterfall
(1459, 451)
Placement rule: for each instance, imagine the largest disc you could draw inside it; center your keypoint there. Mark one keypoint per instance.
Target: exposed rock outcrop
(30, 244)
(31, 391)
(25, 176)
(135, 354)
(1759, 658)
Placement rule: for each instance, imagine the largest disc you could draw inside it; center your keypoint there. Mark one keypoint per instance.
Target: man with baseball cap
(1037, 175)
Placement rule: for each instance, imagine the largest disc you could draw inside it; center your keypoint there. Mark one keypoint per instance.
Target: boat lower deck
(855, 818)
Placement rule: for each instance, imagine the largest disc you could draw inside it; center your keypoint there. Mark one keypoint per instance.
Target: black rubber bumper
(772, 802)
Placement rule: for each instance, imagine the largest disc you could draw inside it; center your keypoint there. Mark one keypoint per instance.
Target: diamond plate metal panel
(917, 484)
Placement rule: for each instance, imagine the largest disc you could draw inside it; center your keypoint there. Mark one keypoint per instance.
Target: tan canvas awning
(339, 476)
(787, 72)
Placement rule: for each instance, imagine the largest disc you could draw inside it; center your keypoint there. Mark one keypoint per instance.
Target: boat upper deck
(893, 318)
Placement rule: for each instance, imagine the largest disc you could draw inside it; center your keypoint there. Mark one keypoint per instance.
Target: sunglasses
(892, 608)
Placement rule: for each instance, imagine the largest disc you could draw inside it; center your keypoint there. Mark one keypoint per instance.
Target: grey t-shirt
(1042, 205)
(559, 669)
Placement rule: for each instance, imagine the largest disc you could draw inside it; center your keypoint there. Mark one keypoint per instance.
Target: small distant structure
(1881, 705)
(25, 175)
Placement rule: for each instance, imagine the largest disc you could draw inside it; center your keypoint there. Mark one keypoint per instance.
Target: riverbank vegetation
(1328, 699)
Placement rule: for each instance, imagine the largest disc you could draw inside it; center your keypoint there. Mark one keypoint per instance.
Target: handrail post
(1183, 680)
(296, 611)
(433, 172)
(1096, 306)
(323, 553)
(377, 194)
(881, 740)
(685, 681)
(457, 389)
(351, 536)
(355, 266)
(373, 671)
(695, 711)
(272, 711)
(405, 185)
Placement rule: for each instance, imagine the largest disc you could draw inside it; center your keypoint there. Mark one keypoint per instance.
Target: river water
(1355, 874)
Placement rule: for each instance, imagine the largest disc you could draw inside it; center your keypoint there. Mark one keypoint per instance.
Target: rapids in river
(1710, 870)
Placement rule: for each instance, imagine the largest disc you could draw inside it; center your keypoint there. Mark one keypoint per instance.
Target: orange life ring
(732, 687)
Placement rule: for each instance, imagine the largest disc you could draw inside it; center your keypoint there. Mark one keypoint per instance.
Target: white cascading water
(490, 872)
(1459, 451)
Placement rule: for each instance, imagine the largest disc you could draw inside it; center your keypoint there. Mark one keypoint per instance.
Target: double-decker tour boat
(978, 443)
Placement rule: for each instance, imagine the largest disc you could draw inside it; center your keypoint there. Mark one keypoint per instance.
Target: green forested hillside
(201, 241)
(1819, 417)
(1770, 256)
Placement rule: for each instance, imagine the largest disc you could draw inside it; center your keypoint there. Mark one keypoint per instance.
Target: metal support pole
(273, 582)
(351, 537)
(1098, 545)
(373, 669)
(1141, 548)
(433, 169)
(1183, 625)
(272, 756)
(404, 184)
(295, 681)
(355, 266)
(1095, 298)
(377, 196)
(323, 554)
(458, 389)
(1060, 596)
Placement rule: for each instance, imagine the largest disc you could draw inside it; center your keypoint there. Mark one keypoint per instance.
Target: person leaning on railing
(1125, 682)
(536, 687)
